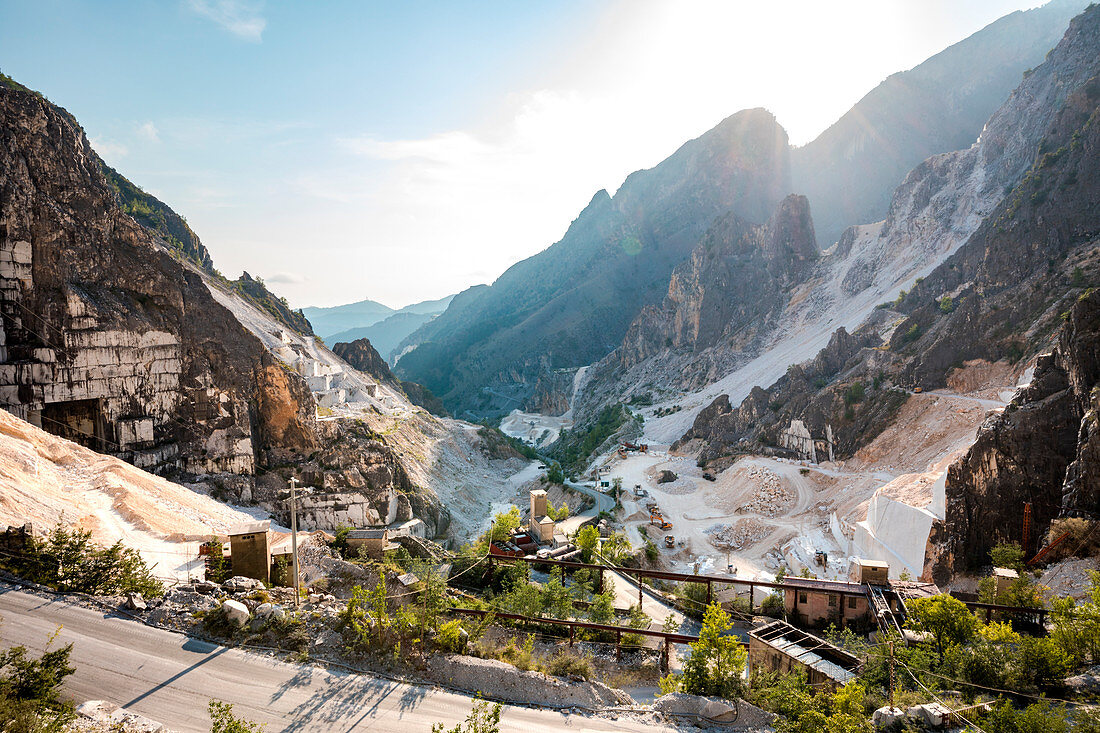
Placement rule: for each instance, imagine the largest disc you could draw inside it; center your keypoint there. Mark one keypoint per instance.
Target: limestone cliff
(571, 304)
(364, 357)
(106, 336)
(736, 280)
(838, 397)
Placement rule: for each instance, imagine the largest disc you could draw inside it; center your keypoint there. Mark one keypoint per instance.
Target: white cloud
(110, 151)
(148, 131)
(286, 278)
(242, 18)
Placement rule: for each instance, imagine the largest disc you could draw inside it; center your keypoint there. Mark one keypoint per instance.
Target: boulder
(236, 613)
(1086, 683)
(666, 476)
(887, 717)
(711, 708)
(239, 583)
(270, 611)
(206, 587)
(134, 602)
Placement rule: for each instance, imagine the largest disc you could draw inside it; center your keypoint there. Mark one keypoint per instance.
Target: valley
(761, 412)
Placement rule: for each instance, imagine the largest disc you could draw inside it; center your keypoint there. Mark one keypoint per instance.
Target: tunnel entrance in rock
(81, 421)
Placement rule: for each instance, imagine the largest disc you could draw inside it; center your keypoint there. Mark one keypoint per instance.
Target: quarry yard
(765, 512)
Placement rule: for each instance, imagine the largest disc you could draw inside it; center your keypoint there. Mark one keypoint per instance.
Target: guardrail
(667, 638)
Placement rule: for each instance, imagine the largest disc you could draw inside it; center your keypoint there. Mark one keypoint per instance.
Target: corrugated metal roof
(802, 646)
(250, 528)
(368, 534)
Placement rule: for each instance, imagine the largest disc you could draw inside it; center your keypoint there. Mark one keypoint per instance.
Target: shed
(1004, 577)
(780, 647)
(250, 548)
(370, 542)
(873, 572)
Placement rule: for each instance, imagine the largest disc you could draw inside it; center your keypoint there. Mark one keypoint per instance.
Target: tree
(504, 523)
(717, 658)
(557, 514)
(1077, 626)
(557, 600)
(616, 548)
(602, 609)
(945, 617)
(587, 539)
(30, 700)
(482, 719)
(1008, 555)
(946, 304)
(222, 720)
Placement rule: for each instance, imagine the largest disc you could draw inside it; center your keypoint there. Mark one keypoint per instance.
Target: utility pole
(891, 674)
(294, 540)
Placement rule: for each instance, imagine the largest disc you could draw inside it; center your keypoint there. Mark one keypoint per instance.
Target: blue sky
(402, 151)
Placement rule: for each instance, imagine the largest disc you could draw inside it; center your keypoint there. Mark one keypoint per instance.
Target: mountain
(327, 321)
(363, 356)
(110, 335)
(572, 303)
(488, 359)
(1027, 199)
(850, 170)
(386, 335)
(428, 307)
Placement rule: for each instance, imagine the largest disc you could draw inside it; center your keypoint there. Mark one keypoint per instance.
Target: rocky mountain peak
(361, 355)
(788, 240)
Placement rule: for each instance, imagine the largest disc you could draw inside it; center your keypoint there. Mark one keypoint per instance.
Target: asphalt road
(171, 678)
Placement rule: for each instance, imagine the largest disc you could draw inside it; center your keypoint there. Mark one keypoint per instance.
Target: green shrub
(449, 637)
(482, 719)
(854, 393)
(30, 690)
(946, 304)
(68, 561)
(222, 720)
(564, 664)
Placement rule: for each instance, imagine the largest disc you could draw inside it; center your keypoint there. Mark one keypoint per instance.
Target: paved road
(171, 678)
(603, 503)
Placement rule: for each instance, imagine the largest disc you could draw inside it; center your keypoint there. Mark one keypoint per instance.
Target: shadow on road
(346, 698)
(175, 677)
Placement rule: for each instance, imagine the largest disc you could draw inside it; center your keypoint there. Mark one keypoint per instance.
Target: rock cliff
(361, 355)
(940, 105)
(736, 281)
(107, 337)
(571, 304)
(937, 210)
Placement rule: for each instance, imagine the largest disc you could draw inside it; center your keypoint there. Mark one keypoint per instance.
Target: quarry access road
(170, 677)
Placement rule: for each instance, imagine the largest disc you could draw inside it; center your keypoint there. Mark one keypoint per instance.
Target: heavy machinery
(670, 541)
(658, 519)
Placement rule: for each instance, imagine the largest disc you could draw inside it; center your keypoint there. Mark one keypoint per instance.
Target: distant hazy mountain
(327, 321)
(386, 334)
(851, 170)
(571, 304)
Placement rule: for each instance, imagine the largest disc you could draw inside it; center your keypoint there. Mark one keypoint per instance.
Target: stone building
(818, 603)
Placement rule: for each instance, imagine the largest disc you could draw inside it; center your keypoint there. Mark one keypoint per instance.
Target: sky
(404, 151)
